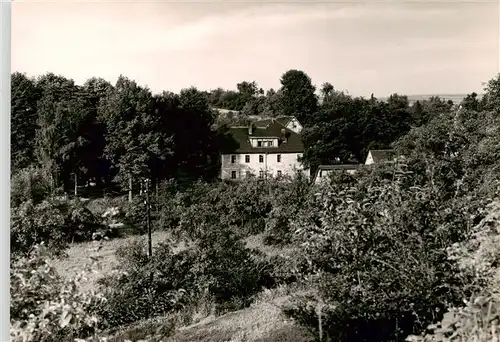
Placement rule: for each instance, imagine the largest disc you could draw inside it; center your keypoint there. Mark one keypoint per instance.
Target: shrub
(240, 207)
(218, 266)
(354, 245)
(55, 223)
(43, 306)
(29, 184)
(479, 319)
(289, 199)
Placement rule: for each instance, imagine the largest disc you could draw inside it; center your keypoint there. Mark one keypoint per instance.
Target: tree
(61, 112)
(434, 106)
(192, 98)
(272, 104)
(346, 128)
(417, 113)
(25, 95)
(98, 167)
(247, 89)
(492, 94)
(470, 102)
(298, 98)
(327, 90)
(133, 137)
(188, 119)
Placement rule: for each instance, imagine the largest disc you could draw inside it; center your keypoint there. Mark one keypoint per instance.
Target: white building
(264, 148)
(378, 156)
(291, 123)
(324, 171)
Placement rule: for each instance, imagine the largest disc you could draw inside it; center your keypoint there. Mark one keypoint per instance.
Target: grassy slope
(79, 255)
(262, 322)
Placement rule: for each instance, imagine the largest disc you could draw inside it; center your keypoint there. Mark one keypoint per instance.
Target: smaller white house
(324, 171)
(379, 156)
(289, 122)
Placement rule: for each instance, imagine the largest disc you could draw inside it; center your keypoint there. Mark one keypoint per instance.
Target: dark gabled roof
(284, 120)
(382, 155)
(340, 167)
(241, 139)
(262, 123)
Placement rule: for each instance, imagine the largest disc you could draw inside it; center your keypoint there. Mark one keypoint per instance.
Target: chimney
(250, 129)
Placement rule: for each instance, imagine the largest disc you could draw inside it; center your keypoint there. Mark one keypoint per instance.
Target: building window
(320, 174)
(233, 159)
(278, 158)
(233, 174)
(261, 174)
(270, 143)
(279, 173)
(259, 143)
(261, 158)
(247, 158)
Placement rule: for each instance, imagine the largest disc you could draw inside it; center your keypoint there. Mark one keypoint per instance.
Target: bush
(29, 184)
(479, 319)
(218, 266)
(289, 199)
(55, 223)
(46, 308)
(240, 207)
(354, 243)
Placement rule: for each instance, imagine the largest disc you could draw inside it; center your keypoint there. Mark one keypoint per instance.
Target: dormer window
(264, 142)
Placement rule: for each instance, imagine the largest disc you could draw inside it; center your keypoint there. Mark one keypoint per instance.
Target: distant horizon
(363, 48)
(410, 96)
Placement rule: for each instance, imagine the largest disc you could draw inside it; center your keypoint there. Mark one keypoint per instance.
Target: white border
(5, 35)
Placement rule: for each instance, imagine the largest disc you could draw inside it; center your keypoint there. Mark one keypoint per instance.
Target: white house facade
(262, 151)
(378, 156)
(291, 123)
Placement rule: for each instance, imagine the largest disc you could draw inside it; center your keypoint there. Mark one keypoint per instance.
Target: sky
(362, 47)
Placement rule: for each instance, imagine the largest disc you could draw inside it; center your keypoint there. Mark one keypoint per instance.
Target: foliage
(350, 233)
(53, 222)
(25, 95)
(355, 232)
(133, 135)
(289, 199)
(60, 138)
(354, 252)
(298, 98)
(478, 318)
(492, 95)
(218, 264)
(344, 128)
(240, 207)
(30, 183)
(43, 306)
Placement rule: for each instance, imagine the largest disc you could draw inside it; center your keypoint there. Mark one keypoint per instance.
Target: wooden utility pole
(130, 187)
(76, 185)
(148, 213)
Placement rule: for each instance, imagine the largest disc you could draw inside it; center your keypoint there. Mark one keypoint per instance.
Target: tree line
(122, 133)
